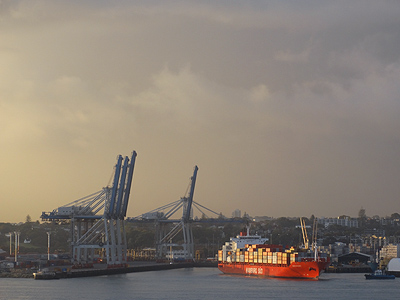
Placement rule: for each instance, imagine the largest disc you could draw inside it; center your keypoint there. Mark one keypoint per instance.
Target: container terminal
(97, 224)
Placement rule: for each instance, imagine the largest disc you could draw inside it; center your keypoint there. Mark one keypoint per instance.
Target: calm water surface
(198, 283)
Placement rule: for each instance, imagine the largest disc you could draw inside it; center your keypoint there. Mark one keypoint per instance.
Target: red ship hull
(301, 270)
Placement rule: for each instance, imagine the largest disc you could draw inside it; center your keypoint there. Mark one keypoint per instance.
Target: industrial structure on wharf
(98, 220)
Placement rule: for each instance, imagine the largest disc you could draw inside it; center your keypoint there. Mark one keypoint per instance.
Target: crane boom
(190, 198)
(304, 232)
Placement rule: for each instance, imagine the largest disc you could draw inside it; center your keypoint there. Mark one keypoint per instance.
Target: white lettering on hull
(255, 271)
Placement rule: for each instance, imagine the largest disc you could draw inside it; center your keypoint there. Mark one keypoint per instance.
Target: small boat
(45, 274)
(378, 274)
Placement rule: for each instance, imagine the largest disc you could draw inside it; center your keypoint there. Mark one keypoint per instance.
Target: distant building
(342, 221)
(390, 251)
(334, 250)
(363, 248)
(354, 258)
(237, 213)
(338, 248)
(262, 218)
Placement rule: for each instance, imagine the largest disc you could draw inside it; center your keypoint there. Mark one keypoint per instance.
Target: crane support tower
(98, 220)
(167, 229)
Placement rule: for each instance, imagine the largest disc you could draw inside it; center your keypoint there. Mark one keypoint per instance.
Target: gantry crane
(167, 229)
(98, 220)
(164, 238)
(170, 231)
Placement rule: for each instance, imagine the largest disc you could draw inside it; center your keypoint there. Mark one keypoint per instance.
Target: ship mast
(315, 230)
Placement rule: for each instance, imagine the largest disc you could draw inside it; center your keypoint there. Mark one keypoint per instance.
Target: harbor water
(198, 283)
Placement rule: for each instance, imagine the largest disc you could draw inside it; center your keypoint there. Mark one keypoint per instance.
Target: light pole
(10, 242)
(16, 245)
(18, 233)
(48, 245)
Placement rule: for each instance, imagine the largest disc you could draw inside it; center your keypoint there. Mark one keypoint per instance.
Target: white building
(342, 221)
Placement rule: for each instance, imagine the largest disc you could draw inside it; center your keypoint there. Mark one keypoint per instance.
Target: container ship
(250, 255)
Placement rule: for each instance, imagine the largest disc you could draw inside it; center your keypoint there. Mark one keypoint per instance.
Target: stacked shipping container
(261, 254)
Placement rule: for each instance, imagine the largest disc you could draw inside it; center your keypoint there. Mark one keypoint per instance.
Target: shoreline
(100, 270)
(133, 267)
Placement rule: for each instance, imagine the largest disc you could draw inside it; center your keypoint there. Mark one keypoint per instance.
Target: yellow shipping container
(265, 259)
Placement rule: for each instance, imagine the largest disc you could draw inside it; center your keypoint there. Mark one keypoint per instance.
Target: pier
(100, 270)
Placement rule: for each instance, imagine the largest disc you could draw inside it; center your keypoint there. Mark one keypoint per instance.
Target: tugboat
(45, 274)
(379, 274)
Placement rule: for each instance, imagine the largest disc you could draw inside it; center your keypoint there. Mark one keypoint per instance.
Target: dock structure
(168, 228)
(165, 235)
(98, 220)
(174, 236)
(131, 268)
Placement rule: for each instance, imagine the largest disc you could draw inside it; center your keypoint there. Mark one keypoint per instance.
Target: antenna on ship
(315, 231)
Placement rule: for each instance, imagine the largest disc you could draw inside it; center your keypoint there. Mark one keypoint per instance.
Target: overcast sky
(288, 108)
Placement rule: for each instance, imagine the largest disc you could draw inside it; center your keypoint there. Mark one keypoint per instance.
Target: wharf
(365, 269)
(131, 268)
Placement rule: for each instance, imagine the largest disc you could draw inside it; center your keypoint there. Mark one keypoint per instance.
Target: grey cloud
(285, 106)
